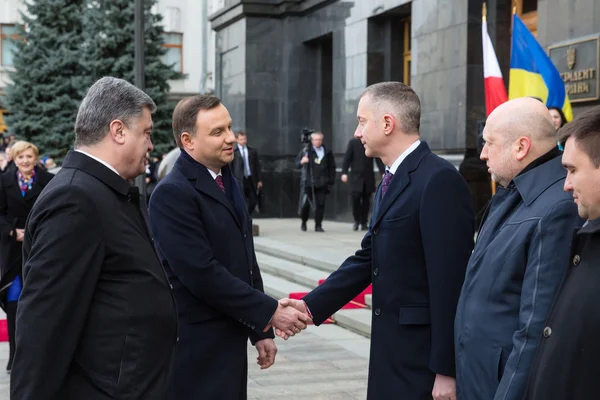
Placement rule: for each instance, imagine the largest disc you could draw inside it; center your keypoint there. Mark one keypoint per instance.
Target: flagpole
(484, 20)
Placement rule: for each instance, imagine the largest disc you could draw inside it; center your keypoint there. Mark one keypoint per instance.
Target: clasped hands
(290, 318)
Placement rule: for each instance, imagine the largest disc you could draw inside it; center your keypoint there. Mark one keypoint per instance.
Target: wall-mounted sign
(577, 62)
(215, 5)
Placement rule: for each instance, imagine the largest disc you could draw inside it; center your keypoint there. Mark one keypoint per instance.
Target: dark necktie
(385, 183)
(219, 180)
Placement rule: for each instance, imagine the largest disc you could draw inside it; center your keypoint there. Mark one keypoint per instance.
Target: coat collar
(591, 227)
(401, 179)
(204, 182)
(535, 181)
(41, 180)
(77, 160)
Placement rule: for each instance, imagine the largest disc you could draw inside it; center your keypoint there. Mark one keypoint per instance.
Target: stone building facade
(282, 65)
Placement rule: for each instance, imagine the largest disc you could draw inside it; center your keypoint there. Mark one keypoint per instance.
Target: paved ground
(326, 362)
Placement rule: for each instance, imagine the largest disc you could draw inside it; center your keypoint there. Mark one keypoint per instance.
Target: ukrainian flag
(532, 73)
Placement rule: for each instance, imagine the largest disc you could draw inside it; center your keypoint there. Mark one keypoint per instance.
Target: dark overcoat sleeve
(350, 279)
(181, 235)
(446, 221)
(63, 254)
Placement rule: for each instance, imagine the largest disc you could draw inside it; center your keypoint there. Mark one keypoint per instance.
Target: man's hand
(304, 160)
(345, 178)
(267, 350)
(444, 388)
(298, 305)
(20, 234)
(259, 185)
(288, 320)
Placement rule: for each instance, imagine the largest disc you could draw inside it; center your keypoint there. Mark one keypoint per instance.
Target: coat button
(375, 231)
(576, 259)
(252, 327)
(547, 331)
(376, 271)
(171, 286)
(377, 311)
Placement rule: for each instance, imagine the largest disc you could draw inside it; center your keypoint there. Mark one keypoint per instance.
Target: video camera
(305, 135)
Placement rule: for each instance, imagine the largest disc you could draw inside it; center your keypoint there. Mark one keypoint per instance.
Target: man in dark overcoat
(566, 365)
(96, 318)
(246, 169)
(204, 238)
(415, 254)
(520, 255)
(362, 180)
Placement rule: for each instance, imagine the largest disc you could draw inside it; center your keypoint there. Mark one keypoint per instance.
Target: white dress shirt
(320, 152)
(403, 156)
(213, 174)
(244, 153)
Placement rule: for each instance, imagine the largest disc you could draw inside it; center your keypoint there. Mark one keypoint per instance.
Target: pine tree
(109, 35)
(48, 82)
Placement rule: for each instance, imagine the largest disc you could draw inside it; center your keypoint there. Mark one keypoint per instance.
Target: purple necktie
(219, 180)
(386, 182)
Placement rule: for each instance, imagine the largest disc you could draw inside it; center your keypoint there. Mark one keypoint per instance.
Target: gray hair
(107, 100)
(399, 100)
(315, 134)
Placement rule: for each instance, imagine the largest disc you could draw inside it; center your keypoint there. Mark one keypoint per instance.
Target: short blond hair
(21, 146)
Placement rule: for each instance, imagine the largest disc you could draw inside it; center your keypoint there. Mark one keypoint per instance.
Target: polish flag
(495, 91)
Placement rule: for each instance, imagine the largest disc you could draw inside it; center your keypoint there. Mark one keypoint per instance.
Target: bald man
(520, 255)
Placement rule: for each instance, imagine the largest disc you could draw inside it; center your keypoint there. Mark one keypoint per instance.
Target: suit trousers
(250, 194)
(318, 204)
(361, 203)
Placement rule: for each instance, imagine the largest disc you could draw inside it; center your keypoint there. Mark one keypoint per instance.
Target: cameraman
(318, 175)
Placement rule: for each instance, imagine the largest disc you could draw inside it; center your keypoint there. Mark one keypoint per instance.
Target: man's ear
(389, 123)
(187, 141)
(116, 131)
(523, 145)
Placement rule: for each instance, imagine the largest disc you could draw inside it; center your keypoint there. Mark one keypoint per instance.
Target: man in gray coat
(520, 256)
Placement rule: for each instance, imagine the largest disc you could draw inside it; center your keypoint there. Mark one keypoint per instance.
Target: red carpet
(357, 302)
(3, 331)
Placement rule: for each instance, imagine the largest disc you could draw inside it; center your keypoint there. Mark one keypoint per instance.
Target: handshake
(290, 318)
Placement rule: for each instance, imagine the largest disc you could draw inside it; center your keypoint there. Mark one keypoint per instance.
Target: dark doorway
(388, 46)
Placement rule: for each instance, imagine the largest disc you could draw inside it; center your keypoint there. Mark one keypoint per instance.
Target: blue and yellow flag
(532, 73)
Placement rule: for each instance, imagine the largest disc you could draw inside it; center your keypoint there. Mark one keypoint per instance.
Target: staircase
(289, 270)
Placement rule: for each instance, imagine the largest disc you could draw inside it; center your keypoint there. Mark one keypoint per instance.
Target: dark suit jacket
(361, 167)
(204, 239)
(14, 209)
(237, 165)
(96, 318)
(415, 254)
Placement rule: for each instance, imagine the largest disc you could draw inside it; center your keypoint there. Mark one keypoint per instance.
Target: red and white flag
(495, 91)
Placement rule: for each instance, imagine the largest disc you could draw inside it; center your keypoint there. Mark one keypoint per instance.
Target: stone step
(369, 300)
(327, 262)
(291, 271)
(357, 320)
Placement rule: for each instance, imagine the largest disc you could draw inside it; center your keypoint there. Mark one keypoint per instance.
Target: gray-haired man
(96, 318)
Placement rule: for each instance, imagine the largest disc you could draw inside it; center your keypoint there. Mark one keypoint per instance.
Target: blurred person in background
(558, 117)
(19, 191)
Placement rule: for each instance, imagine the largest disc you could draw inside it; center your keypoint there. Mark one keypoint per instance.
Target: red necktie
(219, 180)
(386, 182)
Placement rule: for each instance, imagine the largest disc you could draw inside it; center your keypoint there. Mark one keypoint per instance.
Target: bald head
(524, 117)
(516, 133)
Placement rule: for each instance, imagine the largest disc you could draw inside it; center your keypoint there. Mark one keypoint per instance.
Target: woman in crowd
(19, 188)
(558, 117)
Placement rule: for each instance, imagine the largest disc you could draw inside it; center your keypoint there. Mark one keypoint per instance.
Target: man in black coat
(566, 365)
(246, 169)
(415, 254)
(204, 238)
(362, 180)
(318, 175)
(96, 318)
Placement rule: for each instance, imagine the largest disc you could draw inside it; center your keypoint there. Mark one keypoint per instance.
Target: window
(527, 10)
(8, 33)
(407, 52)
(174, 54)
